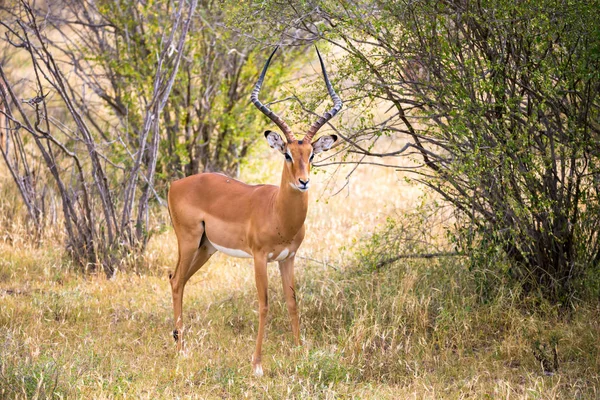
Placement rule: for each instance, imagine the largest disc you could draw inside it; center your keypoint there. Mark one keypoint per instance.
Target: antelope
(211, 212)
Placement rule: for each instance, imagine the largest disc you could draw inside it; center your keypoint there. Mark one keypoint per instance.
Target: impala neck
(291, 205)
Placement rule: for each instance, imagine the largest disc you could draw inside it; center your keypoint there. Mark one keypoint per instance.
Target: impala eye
(288, 157)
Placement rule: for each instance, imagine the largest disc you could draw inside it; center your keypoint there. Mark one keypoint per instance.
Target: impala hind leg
(193, 254)
(286, 268)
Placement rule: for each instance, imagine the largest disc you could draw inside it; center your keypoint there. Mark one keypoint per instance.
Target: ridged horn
(266, 110)
(337, 104)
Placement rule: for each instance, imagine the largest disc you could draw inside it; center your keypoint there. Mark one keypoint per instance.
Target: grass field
(413, 329)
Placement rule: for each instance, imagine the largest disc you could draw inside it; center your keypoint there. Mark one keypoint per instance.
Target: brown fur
(257, 219)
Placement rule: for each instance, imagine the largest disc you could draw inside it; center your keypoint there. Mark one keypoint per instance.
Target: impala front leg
(260, 274)
(286, 268)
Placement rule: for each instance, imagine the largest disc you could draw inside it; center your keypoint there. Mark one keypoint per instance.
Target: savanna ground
(411, 329)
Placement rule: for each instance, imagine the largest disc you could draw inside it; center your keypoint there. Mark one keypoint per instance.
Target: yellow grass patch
(411, 330)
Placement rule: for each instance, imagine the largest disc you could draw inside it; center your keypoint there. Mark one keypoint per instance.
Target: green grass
(411, 330)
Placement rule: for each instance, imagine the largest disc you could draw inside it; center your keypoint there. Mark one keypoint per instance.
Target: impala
(212, 212)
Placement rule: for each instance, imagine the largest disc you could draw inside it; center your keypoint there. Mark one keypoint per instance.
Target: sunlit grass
(412, 330)
(415, 329)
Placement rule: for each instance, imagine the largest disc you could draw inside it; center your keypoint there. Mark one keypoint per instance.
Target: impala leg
(187, 252)
(260, 274)
(191, 259)
(286, 268)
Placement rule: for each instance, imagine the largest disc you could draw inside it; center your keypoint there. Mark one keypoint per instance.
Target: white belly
(285, 253)
(231, 252)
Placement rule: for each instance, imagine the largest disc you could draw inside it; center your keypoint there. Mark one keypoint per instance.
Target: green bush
(499, 103)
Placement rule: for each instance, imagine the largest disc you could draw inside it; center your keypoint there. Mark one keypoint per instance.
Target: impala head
(298, 154)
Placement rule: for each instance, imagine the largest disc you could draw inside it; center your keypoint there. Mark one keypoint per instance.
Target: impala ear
(275, 141)
(324, 143)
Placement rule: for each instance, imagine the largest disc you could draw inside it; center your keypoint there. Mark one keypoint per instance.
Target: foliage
(419, 233)
(130, 104)
(207, 124)
(499, 103)
(99, 216)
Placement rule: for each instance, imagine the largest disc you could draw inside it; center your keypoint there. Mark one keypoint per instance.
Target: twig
(325, 263)
(421, 255)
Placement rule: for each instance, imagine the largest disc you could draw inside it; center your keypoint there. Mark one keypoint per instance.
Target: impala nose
(303, 183)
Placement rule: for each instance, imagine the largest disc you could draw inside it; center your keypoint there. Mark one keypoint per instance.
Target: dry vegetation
(414, 329)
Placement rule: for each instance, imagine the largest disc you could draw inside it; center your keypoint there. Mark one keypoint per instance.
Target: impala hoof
(257, 366)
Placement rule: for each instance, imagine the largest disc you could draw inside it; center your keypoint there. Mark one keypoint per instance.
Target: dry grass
(415, 329)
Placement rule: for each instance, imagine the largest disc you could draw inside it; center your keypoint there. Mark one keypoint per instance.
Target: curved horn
(264, 109)
(337, 104)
